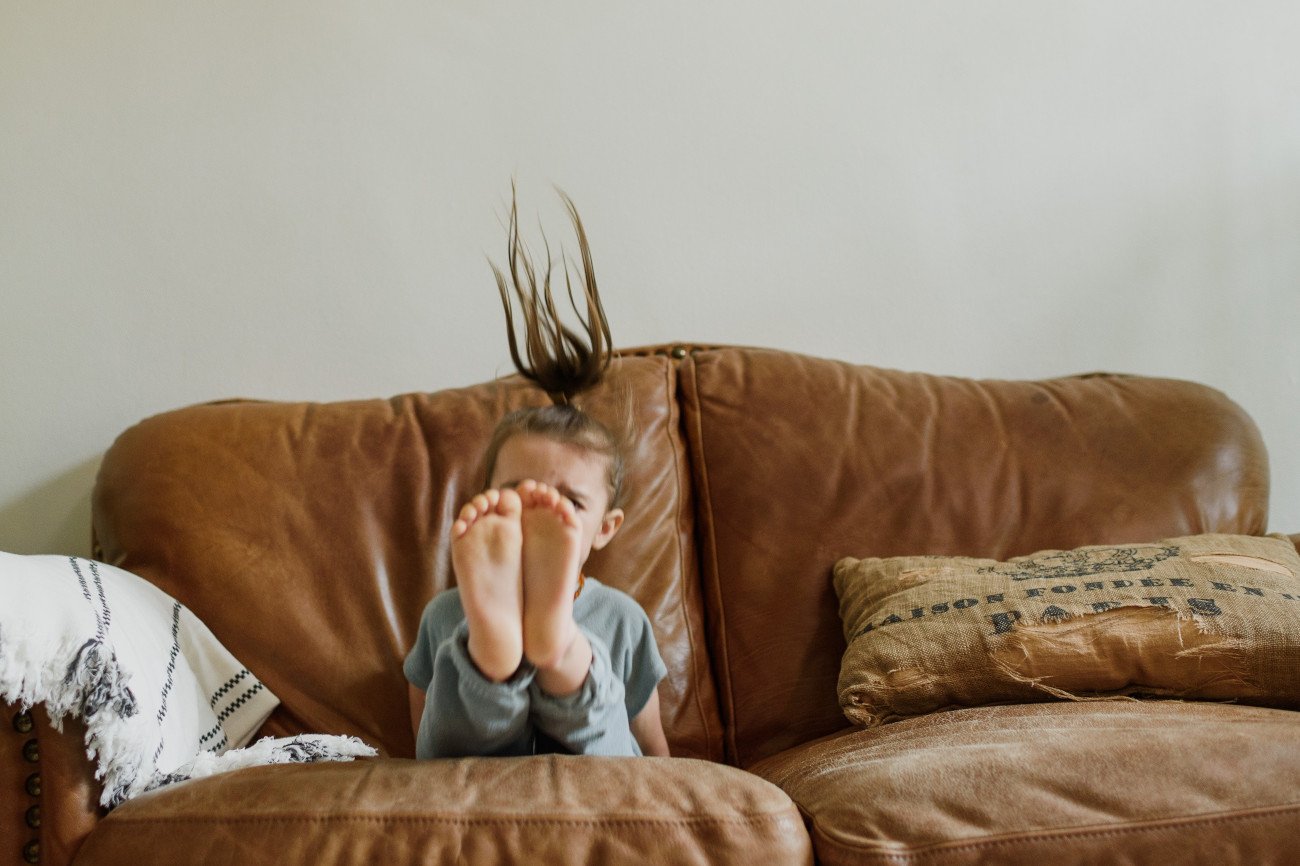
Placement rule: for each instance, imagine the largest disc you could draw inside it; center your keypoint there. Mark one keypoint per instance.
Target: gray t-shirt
(606, 613)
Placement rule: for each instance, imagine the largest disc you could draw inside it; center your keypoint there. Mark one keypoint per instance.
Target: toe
(565, 509)
(509, 503)
(527, 491)
(547, 496)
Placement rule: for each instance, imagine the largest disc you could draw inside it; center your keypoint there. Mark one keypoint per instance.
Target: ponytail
(562, 361)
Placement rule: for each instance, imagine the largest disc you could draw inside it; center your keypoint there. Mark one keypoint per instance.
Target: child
(525, 654)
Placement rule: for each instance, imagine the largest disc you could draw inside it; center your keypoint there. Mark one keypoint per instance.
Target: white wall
(294, 199)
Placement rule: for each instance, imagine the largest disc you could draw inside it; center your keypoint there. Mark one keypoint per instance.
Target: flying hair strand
(561, 360)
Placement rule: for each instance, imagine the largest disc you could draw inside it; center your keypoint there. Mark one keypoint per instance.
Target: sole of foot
(552, 538)
(486, 552)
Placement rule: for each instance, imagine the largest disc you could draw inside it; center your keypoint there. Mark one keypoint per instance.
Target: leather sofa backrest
(310, 536)
(800, 461)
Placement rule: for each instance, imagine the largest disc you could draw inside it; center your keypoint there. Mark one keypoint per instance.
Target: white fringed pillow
(155, 688)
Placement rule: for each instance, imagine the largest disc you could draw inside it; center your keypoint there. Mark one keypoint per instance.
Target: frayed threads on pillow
(100, 681)
(302, 749)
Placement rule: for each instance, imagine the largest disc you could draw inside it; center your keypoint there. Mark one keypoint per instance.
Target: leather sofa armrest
(47, 786)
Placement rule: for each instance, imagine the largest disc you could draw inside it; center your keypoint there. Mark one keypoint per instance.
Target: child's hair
(561, 361)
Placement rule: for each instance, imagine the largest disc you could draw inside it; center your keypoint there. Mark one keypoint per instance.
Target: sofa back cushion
(799, 462)
(310, 536)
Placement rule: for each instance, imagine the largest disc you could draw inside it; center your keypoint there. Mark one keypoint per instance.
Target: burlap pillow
(1206, 616)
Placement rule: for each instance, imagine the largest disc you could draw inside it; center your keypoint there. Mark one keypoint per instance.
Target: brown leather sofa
(310, 536)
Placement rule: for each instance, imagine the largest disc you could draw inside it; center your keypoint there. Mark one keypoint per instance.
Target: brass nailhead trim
(34, 817)
(34, 785)
(23, 723)
(31, 751)
(679, 352)
(32, 852)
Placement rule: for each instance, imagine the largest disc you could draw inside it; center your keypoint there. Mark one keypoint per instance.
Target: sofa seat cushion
(1120, 781)
(542, 809)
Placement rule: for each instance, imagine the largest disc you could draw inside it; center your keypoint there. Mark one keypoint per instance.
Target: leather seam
(725, 686)
(943, 848)
(596, 821)
(679, 459)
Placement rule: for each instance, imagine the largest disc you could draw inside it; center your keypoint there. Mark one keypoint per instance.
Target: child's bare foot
(551, 549)
(485, 551)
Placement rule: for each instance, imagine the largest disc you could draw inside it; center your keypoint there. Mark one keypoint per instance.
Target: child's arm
(648, 729)
(416, 697)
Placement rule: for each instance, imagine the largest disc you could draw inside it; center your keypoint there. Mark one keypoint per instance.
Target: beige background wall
(294, 199)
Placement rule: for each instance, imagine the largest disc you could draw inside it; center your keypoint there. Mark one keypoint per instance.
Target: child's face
(580, 475)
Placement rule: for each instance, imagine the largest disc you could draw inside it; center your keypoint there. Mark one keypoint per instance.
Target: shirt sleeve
(645, 667)
(418, 666)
